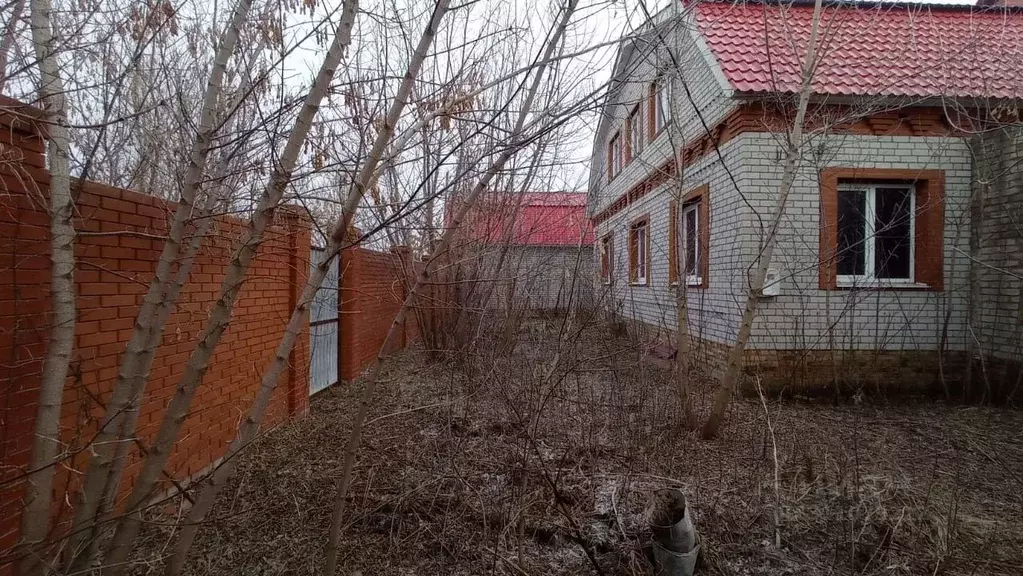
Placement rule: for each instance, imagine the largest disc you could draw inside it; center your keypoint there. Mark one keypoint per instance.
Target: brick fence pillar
(299, 228)
(348, 260)
(403, 270)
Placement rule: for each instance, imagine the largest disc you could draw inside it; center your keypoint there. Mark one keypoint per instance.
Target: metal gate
(323, 327)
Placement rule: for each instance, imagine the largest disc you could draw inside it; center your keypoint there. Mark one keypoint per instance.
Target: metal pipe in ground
(676, 544)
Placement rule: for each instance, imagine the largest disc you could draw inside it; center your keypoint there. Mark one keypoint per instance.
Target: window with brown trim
(639, 251)
(660, 104)
(672, 243)
(607, 258)
(636, 135)
(614, 156)
(881, 228)
(689, 228)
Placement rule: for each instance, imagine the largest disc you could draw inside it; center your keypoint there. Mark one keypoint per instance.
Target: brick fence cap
(294, 214)
(21, 116)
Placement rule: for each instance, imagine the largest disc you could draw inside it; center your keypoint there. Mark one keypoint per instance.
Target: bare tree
(300, 316)
(178, 409)
(105, 467)
(516, 135)
(46, 442)
(793, 152)
(7, 40)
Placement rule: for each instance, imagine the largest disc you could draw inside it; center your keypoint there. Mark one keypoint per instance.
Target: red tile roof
(874, 49)
(539, 219)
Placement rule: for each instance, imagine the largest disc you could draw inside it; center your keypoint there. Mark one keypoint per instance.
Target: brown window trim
(630, 154)
(611, 174)
(928, 244)
(652, 130)
(627, 150)
(607, 258)
(672, 243)
(652, 111)
(643, 220)
(700, 195)
(610, 160)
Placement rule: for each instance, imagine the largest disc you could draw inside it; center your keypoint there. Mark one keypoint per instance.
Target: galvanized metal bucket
(676, 546)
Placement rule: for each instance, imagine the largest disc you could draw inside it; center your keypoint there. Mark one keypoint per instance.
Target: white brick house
(873, 261)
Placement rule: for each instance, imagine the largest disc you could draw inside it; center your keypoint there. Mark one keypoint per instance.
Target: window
(639, 251)
(636, 136)
(607, 258)
(672, 243)
(691, 242)
(614, 152)
(689, 229)
(875, 233)
(881, 228)
(660, 104)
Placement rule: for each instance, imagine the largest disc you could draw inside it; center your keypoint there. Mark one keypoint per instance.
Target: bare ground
(541, 461)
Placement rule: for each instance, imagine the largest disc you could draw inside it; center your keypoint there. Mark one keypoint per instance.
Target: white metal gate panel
(323, 328)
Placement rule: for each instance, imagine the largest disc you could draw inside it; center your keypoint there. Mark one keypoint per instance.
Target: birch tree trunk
(178, 409)
(300, 315)
(126, 434)
(35, 519)
(119, 421)
(89, 533)
(421, 280)
(792, 152)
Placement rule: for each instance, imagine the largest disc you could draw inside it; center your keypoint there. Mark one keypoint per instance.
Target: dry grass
(531, 462)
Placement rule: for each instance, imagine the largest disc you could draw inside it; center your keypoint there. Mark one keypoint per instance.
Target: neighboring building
(687, 166)
(539, 248)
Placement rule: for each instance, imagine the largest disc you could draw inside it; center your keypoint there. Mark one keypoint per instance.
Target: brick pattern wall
(645, 59)
(544, 278)
(998, 243)
(805, 317)
(373, 287)
(845, 373)
(742, 191)
(839, 372)
(714, 310)
(116, 252)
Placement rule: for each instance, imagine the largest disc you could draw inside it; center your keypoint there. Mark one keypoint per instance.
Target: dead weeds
(540, 461)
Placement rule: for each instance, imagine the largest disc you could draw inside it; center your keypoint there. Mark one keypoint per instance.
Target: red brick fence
(117, 249)
(119, 243)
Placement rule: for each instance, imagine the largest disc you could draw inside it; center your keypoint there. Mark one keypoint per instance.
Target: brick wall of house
(373, 287)
(646, 58)
(116, 252)
(997, 242)
(804, 316)
(817, 372)
(713, 311)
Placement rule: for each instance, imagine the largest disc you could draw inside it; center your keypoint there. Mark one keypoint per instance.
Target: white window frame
(616, 154)
(607, 250)
(640, 252)
(691, 279)
(662, 103)
(867, 279)
(636, 138)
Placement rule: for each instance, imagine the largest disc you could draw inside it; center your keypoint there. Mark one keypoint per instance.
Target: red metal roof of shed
(873, 49)
(541, 219)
